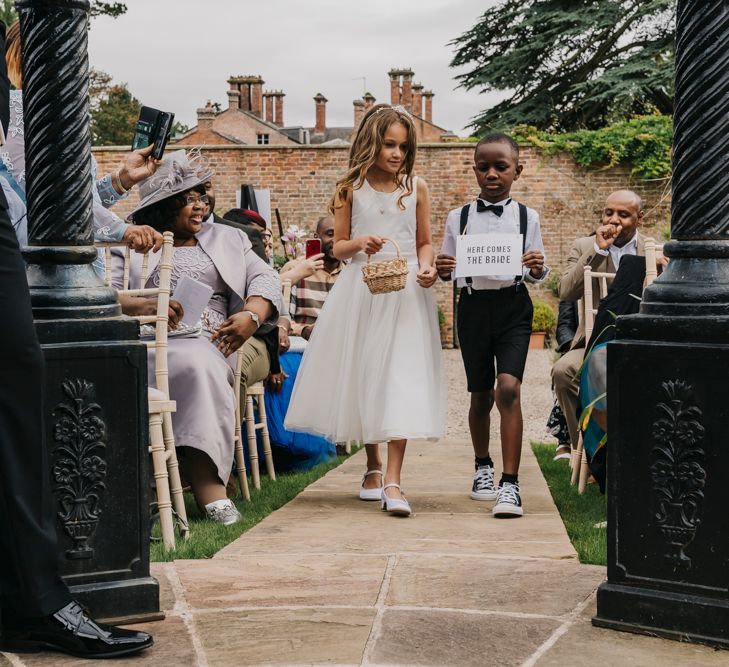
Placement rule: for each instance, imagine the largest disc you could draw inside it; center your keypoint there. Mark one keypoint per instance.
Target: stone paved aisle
(329, 579)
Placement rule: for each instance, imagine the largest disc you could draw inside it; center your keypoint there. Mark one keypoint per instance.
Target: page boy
(495, 317)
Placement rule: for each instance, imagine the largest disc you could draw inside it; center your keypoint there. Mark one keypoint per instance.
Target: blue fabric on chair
(299, 451)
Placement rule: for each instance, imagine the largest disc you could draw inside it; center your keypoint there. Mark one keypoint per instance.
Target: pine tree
(570, 64)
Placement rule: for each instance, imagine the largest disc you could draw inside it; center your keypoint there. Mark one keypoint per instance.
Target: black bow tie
(481, 206)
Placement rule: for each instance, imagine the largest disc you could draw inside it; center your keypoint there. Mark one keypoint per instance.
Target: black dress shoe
(70, 630)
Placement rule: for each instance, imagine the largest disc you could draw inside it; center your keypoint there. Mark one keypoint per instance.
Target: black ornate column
(668, 414)
(96, 384)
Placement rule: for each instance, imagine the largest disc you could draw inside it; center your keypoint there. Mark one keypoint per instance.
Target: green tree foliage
(8, 14)
(644, 142)
(114, 111)
(570, 64)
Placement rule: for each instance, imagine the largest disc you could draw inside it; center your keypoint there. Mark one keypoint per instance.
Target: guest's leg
(508, 403)
(29, 580)
(566, 386)
(395, 456)
(374, 462)
(255, 368)
(202, 474)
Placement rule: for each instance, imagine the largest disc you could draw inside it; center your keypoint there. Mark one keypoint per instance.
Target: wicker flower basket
(387, 276)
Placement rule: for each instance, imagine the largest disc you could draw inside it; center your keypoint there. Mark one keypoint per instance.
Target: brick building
(255, 116)
(301, 180)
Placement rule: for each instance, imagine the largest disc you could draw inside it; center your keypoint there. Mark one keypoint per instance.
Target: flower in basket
(293, 241)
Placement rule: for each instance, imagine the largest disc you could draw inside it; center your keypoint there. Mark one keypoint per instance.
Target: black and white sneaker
(483, 484)
(508, 502)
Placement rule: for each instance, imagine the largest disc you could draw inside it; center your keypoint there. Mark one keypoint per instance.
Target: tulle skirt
(372, 371)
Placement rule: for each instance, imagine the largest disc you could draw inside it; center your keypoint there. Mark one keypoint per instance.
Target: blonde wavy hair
(366, 149)
(13, 57)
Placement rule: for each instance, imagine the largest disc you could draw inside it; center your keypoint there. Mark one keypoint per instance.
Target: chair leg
(576, 462)
(267, 453)
(240, 462)
(584, 473)
(252, 444)
(161, 480)
(348, 447)
(173, 470)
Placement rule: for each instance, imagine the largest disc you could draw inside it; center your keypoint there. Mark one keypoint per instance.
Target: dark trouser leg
(29, 580)
(567, 386)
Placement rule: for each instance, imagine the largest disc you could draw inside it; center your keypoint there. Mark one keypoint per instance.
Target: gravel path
(536, 398)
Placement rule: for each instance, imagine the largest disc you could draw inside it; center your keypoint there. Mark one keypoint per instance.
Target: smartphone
(313, 247)
(153, 127)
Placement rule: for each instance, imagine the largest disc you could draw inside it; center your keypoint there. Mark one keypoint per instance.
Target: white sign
(488, 255)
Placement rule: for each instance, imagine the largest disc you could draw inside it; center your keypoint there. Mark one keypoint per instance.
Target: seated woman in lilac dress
(246, 295)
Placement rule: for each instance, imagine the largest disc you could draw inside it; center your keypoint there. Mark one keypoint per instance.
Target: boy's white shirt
(487, 222)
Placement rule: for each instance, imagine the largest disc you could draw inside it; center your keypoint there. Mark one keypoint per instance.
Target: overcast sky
(176, 54)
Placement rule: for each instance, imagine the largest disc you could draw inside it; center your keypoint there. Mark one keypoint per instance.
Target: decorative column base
(97, 437)
(668, 552)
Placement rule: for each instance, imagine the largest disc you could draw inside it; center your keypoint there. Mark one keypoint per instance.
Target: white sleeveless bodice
(377, 213)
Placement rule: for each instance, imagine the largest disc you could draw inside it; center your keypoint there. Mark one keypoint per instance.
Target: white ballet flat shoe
(370, 494)
(395, 506)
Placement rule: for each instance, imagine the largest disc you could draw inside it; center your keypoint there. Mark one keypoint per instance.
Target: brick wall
(568, 197)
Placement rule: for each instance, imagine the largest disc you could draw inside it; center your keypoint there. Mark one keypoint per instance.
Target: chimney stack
(407, 89)
(268, 105)
(279, 118)
(205, 117)
(321, 114)
(257, 96)
(428, 95)
(359, 110)
(369, 100)
(394, 86)
(234, 99)
(417, 100)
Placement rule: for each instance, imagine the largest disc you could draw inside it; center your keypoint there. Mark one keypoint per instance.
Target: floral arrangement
(293, 241)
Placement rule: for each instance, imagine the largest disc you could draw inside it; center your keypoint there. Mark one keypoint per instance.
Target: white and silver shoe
(483, 484)
(508, 502)
(395, 506)
(222, 511)
(371, 494)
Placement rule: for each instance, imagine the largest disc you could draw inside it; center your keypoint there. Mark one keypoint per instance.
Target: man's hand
(137, 166)
(275, 381)
(142, 305)
(142, 238)
(371, 245)
(312, 264)
(306, 331)
(427, 276)
(445, 265)
(284, 343)
(175, 313)
(534, 261)
(235, 331)
(606, 234)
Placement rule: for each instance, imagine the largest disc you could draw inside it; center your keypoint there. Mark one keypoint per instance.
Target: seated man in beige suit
(616, 236)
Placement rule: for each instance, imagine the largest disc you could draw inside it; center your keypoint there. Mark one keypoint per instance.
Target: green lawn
(207, 538)
(579, 513)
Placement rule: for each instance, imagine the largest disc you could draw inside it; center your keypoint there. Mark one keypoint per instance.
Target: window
(261, 138)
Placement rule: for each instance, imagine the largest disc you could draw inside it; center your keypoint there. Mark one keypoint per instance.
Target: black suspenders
(522, 231)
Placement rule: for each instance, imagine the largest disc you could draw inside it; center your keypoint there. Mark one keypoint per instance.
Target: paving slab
(584, 645)
(273, 580)
(489, 584)
(440, 638)
(284, 637)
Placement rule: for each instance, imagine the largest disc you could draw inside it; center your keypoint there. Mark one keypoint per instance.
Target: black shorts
(494, 324)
